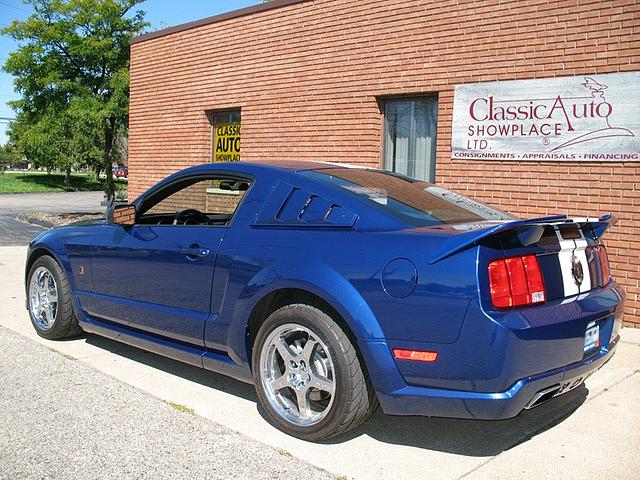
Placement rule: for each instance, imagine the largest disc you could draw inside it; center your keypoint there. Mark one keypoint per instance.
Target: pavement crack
(606, 389)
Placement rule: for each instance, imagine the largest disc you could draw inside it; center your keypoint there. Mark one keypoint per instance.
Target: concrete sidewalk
(592, 429)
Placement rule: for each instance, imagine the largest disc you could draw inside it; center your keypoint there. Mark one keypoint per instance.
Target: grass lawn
(19, 182)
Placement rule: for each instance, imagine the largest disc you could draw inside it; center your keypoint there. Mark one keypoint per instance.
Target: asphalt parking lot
(595, 428)
(14, 232)
(67, 420)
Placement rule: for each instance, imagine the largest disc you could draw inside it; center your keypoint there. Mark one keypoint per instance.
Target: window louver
(294, 206)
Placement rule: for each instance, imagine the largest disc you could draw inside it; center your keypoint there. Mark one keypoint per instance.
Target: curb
(33, 220)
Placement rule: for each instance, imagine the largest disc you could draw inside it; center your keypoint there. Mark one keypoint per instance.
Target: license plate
(592, 337)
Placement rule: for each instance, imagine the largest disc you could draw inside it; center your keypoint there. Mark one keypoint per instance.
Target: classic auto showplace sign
(583, 118)
(226, 139)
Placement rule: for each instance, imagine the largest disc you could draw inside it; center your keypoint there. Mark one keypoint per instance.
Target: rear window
(416, 203)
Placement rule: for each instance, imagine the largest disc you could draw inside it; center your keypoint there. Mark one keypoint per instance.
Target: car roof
(287, 165)
(296, 165)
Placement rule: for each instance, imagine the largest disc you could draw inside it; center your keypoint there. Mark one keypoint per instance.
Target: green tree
(72, 70)
(44, 142)
(6, 158)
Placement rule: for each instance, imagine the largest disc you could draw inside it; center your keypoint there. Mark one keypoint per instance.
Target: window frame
(141, 202)
(382, 104)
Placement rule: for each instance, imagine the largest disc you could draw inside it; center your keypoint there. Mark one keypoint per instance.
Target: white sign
(584, 118)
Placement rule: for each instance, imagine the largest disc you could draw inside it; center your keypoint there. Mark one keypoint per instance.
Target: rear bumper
(498, 364)
(412, 400)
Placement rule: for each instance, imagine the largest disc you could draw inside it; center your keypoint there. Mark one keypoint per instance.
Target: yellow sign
(226, 142)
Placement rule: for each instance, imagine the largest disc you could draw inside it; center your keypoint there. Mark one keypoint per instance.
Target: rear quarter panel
(344, 267)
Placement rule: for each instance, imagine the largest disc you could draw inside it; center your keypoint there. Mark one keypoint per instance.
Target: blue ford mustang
(335, 289)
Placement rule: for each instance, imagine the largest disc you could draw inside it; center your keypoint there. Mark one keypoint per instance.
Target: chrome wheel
(43, 298)
(297, 375)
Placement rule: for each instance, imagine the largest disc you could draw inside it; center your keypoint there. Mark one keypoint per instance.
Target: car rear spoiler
(527, 231)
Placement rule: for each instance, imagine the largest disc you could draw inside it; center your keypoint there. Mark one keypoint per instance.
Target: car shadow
(476, 438)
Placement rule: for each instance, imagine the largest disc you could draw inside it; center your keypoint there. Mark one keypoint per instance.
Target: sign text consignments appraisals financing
(582, 118)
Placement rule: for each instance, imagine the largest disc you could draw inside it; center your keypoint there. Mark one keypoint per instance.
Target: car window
(411, 201)
(215, 197)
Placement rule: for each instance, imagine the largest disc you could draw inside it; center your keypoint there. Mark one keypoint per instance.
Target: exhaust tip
(543, 396)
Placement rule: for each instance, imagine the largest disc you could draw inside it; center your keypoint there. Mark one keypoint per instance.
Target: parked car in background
(121, 172)
(336, 289)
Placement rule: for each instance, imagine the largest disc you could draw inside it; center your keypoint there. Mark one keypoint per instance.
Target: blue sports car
(336, 289)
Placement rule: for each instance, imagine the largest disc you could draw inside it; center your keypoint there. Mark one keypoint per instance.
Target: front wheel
(308, 376)
(49, 301)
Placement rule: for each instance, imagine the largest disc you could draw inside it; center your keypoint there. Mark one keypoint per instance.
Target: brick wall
(308, 76)
(191, 197)
(223, 201)
(203, 196)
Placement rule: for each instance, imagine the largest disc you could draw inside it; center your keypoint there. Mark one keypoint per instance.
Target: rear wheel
(308, 376)
(49, 301)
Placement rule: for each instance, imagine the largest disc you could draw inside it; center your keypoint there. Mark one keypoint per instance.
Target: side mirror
(122, 214)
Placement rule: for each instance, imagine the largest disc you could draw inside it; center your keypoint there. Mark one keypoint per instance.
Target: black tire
(354, 398)
(65, 323)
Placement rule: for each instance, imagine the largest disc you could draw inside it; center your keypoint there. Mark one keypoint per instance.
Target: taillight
(499, 284)
(534, 278)
(604, 264)
(516, 281)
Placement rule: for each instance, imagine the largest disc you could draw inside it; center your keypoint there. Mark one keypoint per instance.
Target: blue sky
(160, 13)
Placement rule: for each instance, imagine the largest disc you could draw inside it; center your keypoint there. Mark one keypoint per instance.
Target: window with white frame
(410, 127)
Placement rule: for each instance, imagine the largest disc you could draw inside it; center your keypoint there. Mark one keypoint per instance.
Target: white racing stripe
(564, 257)
(569, 248)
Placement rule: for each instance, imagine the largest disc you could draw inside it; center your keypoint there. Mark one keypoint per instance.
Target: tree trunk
(96, 173)
(109, 135)
(67, 176)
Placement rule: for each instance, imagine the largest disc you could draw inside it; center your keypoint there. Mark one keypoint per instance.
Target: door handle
(195, 251)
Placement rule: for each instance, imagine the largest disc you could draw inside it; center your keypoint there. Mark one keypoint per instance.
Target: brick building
(338, 80)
